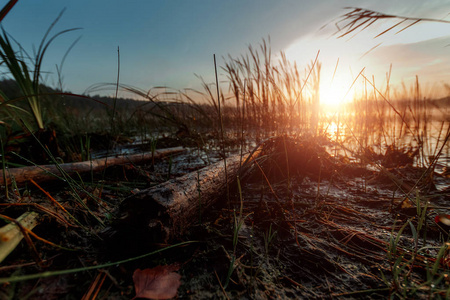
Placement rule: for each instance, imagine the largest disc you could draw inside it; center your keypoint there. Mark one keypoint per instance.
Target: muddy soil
(310, 226)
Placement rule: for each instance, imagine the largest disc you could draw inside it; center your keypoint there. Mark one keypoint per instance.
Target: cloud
(427, 59)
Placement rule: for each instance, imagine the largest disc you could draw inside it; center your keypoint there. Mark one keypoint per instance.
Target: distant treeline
(12, 91)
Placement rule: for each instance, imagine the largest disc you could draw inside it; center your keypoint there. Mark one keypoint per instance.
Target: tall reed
(28, 80)
(276, 99)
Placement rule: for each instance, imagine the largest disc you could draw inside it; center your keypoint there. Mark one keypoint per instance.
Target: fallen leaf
(443, 220)
(406, 203)
(160, 282)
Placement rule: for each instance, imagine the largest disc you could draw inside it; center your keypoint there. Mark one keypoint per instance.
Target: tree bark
(53, 172)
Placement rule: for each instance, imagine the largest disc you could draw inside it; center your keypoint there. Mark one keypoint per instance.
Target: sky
(169, 42)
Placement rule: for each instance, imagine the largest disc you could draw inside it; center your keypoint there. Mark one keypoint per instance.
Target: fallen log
(165, 211)
(52, 172)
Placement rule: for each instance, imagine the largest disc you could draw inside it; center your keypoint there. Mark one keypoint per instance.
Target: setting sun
(335, 92)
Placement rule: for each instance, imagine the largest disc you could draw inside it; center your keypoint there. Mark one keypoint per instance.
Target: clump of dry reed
(272, 96)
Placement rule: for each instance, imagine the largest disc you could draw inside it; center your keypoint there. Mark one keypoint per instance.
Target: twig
(221, 286)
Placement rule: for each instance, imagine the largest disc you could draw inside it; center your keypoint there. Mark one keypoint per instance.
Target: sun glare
(336, 92)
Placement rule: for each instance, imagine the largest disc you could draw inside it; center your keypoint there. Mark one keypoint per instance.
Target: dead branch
(53, 172)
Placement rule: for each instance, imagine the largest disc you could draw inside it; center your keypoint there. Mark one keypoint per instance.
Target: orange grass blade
(53, 200)
(42, 208)
(95, 287)
(49, 196)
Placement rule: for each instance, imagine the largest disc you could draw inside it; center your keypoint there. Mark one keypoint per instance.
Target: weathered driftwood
(11, 235)
(165, 211)
(52, 172)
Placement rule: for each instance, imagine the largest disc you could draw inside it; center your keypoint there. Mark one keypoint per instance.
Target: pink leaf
(160, 282)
